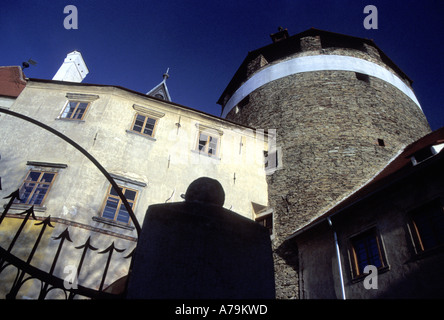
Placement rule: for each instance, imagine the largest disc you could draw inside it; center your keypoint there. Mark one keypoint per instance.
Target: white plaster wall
(167, 165)
(6, 102)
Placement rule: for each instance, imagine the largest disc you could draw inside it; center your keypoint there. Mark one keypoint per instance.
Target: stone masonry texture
(328, 124)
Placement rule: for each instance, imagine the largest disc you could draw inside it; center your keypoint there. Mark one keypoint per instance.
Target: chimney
(73, 68)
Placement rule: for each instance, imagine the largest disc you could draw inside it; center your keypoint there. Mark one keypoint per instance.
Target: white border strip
(316, 63)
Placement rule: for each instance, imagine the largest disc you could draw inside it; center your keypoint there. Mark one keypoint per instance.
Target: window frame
(417, 238)
(78, 102)
(272, 160)
(147, 116)
(263, 213)
(37, 183)
(119, 204)
(209, 134)
(159, 96)
(356, 273)
(263, 220)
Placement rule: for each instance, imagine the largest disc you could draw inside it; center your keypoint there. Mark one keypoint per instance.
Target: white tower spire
(73, 68)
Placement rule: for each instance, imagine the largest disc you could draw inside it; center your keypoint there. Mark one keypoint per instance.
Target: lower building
(386, 240)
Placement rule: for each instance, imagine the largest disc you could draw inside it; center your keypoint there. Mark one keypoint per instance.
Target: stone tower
(341, 109)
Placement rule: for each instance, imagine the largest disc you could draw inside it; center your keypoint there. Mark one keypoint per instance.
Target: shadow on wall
(199, 250)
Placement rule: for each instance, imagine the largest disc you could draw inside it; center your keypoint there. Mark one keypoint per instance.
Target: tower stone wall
(333, 137)
(335, 127)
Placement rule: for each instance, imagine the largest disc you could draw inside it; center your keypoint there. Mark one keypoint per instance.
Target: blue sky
(131, 43)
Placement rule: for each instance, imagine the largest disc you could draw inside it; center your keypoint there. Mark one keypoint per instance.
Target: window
(242, 104)
(144, 124)
(208, 143)
(266, 221)
(271, 159)
(362, 77)
(381, 142)
(263, 215)
(159, 96)
(366, 249)
(75, 110)
(35, 187)
(208, 140)
(337, 41)
(422, 155)
(114, 209)
(428, 226)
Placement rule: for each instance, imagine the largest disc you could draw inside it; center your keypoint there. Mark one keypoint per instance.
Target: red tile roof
(12, 81)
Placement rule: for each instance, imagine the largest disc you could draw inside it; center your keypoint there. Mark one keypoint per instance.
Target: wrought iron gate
(26, 271)
(48, 281)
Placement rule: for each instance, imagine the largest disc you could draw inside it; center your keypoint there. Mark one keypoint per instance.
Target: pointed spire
(73, 69)
(166, 75)
(161, 90)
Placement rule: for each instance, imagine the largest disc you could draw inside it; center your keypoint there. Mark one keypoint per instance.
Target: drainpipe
(339, 259)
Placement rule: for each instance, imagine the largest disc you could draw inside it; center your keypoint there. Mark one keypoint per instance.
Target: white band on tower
(316, 63)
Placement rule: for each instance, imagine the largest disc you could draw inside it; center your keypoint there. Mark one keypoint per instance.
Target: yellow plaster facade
(158, 167)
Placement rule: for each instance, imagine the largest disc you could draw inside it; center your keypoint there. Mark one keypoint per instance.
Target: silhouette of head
(205, 190)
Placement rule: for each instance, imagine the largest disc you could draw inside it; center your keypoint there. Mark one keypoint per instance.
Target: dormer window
(422, 155)
(282, 34)
(161, 91)
(159, 96)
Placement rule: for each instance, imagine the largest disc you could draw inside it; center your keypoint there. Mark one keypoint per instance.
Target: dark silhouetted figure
(198, 250)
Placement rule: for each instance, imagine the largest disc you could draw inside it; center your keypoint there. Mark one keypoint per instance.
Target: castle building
(152, 148)
(320, 137)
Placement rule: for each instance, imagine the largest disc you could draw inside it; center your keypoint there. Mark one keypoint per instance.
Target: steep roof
(290, 45)
(77, 84)
(161, 90)
(12, 81)
(400, 166)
